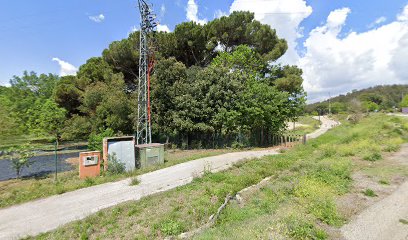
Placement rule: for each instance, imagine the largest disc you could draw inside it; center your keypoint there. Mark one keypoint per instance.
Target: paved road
(47, 214)
(382, 220)
(42, 165)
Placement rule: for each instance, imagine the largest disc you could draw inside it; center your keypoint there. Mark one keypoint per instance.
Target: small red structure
(89, 164)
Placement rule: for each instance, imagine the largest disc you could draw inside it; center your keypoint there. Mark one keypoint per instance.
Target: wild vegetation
(298, 202)
(22, 190)
(379, 98)
(213, 85)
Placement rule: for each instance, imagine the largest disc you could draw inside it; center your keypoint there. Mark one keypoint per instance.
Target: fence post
(304, 139)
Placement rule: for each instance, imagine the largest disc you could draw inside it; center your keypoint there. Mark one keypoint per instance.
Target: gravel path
(382, 220)
(49, 213)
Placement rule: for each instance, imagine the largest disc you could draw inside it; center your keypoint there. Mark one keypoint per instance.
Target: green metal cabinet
(149, 155)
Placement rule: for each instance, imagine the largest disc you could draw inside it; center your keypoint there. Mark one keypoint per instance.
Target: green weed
(403, 221)
(299, 228)
(372, 157)
(134, 181)
(170, 227)
(369, 193)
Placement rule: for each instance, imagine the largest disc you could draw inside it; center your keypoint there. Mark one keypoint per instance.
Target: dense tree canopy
(372, 99)
(213, 84)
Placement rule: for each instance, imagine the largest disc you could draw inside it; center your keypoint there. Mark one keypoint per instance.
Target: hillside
(383, 97)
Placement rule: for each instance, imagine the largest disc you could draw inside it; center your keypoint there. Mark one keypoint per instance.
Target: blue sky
(32, 33)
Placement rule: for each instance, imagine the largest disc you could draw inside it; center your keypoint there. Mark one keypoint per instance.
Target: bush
(237, 145)
(95, 141)
(114, 165)
(372, 157)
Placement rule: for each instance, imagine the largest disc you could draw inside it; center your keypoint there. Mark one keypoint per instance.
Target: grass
(384, 182)
(134, 181)
(23, 190)
(403, 221)
(369, 193)
(296, 203)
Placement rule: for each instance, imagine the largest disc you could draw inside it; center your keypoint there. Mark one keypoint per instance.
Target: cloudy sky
(340, 44)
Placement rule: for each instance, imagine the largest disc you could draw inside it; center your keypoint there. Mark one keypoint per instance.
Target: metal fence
(288, 140)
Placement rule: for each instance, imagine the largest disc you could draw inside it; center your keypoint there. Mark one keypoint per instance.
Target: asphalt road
(46, 214)
(41, 165)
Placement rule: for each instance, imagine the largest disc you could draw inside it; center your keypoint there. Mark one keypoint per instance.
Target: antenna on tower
(146, 64)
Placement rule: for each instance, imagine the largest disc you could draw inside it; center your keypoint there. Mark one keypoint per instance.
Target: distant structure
(146, 64)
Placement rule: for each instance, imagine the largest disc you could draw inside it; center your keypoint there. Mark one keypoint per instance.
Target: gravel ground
(42, 165)
(383, 220)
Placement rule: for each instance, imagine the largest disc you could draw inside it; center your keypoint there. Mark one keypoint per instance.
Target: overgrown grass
(296, 203)
(19, 191)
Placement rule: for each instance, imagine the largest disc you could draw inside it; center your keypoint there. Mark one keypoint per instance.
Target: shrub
(237, 145)
(114, 165)
(95, 141)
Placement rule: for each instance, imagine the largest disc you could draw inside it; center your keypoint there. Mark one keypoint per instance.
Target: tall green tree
(404, 102)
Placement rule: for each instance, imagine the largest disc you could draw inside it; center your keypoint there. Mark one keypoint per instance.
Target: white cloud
(192, 13)
(283, 15)
(133, 29)
(66, 68)
(404, 15)
(377, 21)
(333, 61)
(163, 28)
(97, 18)
(339, 64)
(219, 13)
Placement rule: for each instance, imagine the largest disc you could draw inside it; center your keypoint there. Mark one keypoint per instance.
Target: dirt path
(384, 219)
(46, 214)
(326, 124)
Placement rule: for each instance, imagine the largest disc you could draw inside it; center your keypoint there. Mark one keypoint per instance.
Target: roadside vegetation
(298, 202)
(26, 189)
(22, 190)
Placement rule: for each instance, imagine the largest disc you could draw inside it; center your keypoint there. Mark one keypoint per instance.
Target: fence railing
(288, 140)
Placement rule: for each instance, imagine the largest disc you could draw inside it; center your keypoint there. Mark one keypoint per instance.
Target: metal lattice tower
(146, 62)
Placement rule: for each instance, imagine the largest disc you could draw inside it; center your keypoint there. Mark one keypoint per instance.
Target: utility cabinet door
(125, 153)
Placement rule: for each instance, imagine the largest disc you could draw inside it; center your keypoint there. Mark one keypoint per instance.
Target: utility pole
(329, 103)
(146, 63)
